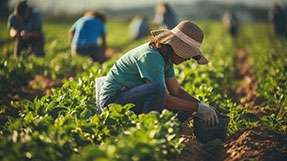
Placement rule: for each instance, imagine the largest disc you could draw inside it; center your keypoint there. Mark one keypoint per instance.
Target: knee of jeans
(159, 89)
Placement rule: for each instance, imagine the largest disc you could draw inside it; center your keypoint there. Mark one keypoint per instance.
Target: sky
(80, 5)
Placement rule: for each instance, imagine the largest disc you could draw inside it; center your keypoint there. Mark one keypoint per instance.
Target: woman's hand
(207, 114)
(13, 33)
(25, 34)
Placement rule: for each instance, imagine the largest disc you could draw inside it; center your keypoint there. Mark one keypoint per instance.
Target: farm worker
(230, 21)
(25, 25)
(145, 75)
(278, 18)
(88, 36)
(138, 27)
(165, 16)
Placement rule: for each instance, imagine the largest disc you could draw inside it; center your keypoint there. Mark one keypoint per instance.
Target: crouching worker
(25, 25)
(88, 36)
(145, 75)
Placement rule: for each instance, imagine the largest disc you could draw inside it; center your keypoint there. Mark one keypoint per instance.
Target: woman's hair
(164, 49)
(167, 7)
(164, 8)
(98, 14)
(21, 8)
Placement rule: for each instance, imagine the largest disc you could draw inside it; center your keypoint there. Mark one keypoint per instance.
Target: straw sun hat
(185, 39)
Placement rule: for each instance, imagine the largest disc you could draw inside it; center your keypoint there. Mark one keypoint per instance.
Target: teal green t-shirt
(131, 70)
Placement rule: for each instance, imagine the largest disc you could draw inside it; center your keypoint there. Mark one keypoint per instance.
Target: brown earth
(258, 144)
(38, 87)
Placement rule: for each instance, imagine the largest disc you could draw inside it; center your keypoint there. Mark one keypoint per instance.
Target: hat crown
(191, 30)
(185, 39)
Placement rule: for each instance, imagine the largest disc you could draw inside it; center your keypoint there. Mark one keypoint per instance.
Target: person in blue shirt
(165, 16)
(278, 17)
(25, 25)
(145, 76)
(88, 36)
(138, 27)
(231, 22)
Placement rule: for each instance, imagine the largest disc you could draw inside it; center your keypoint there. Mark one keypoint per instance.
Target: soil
(258, 144)
(38, 87)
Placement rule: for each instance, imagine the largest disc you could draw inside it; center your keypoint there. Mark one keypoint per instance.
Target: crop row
(268, 59)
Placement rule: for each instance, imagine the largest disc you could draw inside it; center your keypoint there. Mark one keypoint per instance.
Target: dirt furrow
(258, 144)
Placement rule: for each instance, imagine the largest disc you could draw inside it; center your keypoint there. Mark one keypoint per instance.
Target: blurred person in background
(88, 36)
(138, 27)
(145, 75)
(165, 16)
(230, 21)
(278, 18)
(25, 25)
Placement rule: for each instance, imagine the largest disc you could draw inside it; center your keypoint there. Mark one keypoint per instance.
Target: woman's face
(175, 59)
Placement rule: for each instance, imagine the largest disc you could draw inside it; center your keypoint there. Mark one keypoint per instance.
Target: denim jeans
(146, 97)
(94, 51)
(32, 45)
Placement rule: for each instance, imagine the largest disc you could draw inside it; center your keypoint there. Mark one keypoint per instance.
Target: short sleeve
(11, 21)
(169, 70)
(151, 66)
(36, 21)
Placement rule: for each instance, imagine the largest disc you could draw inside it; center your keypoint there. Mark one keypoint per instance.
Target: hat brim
(181, 48)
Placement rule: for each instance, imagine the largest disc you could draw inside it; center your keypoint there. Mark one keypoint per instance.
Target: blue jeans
(146, 97)
(94, 51)
(32, 45)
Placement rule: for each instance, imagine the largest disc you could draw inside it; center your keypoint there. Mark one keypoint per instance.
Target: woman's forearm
(181, 104)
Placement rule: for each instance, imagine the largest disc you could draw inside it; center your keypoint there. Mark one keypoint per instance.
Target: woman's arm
(104, 42)
(175, 89)
(180, 104)
(178, 98)
(71, 35)
(34, 34)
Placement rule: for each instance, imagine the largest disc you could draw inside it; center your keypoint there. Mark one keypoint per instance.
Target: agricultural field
(48, 105)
